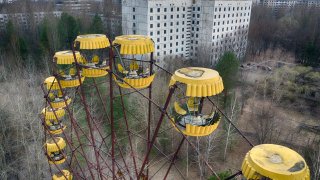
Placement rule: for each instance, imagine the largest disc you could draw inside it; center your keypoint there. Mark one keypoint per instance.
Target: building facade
(291, 3)
(184, 28)
(22, 19)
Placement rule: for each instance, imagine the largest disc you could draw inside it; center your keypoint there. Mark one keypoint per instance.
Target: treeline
(294, 29)
(33, 45)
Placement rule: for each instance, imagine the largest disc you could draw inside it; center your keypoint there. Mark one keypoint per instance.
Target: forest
(278, 106)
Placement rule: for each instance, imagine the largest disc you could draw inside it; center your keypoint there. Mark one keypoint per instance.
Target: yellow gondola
(63, 175)
(67, 75)
(49, 113)
(199, 83)
(55, 93)
(274, 162)
(93, 44)
(55, 126)
(55, 150)
(132, 74)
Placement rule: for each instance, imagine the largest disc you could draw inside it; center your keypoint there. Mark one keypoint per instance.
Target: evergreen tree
(68, 29)
(228, 66)
(43, 33)
(96, 25)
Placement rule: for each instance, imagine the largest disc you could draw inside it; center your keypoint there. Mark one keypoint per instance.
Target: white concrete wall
(179, 27)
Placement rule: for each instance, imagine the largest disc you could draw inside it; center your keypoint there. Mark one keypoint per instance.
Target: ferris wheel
(84, 139)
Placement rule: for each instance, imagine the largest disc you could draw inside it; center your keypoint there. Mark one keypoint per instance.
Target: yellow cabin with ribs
(55, 150)
(89, 43)
(63, 175)
(274, 162)
(133, 73)
(55, 93)
(199, 83)
(67, 76)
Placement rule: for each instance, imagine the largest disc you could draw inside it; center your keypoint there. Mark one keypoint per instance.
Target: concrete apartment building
(181, 28)
(291, 3)
(22, 19)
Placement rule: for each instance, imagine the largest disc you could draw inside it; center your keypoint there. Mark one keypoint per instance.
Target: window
(177, 22)
(151, 10)
(171, 23)
(183, 9)
(177, 9)
(171, 16)
(151, 25)
(133, 9)
(158, 17)
(134, 31)
(170, 44)
(165, 17)
(151, 18)
(198, 8)
(158, 10)
(165, 9)
(164, 39)
(165, 31)
(158, 32)
(158, 47)
(165, 24)
(158, 39)
(171, 9)
(198, 15)
(164, 46)
(158, 25)
(151, 33)
(177, 15)
(133, 17)
(171, 30)
(134, 24)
